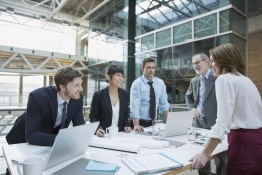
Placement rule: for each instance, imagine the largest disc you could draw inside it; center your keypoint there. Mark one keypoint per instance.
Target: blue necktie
(152, 111)
(63, 116)
(203, 89)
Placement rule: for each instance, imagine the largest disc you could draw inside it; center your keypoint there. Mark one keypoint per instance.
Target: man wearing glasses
(201, 100)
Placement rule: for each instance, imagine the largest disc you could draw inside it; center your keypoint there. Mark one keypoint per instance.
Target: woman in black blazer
(110, 105)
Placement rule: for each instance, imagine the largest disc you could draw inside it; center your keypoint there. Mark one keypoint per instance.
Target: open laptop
(177, 123)
(69, 143)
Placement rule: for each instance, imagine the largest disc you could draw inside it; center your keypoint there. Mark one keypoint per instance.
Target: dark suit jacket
(209, 98)
(39, 120)
(101, 109)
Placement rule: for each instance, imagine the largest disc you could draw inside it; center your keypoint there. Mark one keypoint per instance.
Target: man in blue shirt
(140, 96)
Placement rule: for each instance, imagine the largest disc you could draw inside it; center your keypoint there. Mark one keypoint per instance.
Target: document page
(150, 163)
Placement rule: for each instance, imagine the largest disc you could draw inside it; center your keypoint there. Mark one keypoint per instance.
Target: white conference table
(181, 154)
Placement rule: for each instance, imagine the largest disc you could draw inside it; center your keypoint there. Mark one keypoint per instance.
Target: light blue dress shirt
(140, 97)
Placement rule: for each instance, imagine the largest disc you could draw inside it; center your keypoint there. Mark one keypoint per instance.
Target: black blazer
(101, 109)
(39, 120)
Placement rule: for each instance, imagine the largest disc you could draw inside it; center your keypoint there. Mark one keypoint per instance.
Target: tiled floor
(3, 164)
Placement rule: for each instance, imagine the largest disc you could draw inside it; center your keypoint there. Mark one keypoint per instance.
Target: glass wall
(199, 35)
(169, 31)
(107, 43)
(152, 15)
(205, 26)
(183, 33)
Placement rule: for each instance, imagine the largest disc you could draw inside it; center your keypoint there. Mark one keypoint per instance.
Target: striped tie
(152, 112)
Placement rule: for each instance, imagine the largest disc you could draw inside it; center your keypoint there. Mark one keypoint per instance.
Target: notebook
(150, 163)
(177, 123)
(69, 143)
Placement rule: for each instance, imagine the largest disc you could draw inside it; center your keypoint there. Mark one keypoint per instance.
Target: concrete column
(44, 81)
(51, 81)
(21, 91)
(84, 86)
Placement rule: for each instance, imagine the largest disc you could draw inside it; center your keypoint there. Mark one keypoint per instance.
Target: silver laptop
(69, 143)
(177, 123)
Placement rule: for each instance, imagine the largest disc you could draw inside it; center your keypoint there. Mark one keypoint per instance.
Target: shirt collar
(207, 74)
(60, 101)
(145, 80)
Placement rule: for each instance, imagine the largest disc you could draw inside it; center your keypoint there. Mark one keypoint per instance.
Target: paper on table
(109, 144)
(151, 163)
(143, 143)
(99, 166)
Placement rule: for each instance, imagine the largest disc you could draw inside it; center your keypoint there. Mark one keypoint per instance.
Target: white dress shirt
(238, 105)
(60, 102)
(115, 114)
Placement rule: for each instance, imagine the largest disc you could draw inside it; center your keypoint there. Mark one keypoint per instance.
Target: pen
(100, 127)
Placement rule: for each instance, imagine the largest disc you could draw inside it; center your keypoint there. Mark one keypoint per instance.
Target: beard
(72, 95)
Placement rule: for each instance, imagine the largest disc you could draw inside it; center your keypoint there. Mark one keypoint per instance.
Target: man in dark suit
(50, 109)
(201, 100)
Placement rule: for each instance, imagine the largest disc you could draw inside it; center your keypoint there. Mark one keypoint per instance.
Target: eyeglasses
(197, 62)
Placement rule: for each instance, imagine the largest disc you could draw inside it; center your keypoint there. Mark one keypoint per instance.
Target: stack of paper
(150, 163)
(109, 144)
(143, 143)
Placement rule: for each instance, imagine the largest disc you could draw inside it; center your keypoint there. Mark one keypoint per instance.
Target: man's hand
(195, 112)
(128, 129)
(100, 132)
(138, 128)
(198, 161)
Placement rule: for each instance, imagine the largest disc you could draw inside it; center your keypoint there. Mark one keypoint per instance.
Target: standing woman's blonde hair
(229, 58)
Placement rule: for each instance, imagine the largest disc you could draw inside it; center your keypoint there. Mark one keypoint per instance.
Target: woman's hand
(100, 132)
(128, 129)
(198, 161)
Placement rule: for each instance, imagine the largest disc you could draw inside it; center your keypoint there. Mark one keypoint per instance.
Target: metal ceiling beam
(153, 8)
(199, 4)
(29, 5)
(165, 4)
(77, 5)
(93, 10)
(58, 8)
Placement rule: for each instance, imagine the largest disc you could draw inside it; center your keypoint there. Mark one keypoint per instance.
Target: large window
(183, 32)
(163, 38)
(205, 26)
(18, 31)
(147, 42)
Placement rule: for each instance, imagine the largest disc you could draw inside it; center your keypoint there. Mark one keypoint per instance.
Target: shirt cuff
(218, 132)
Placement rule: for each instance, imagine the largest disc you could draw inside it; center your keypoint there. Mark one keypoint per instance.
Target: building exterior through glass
(170, 31)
